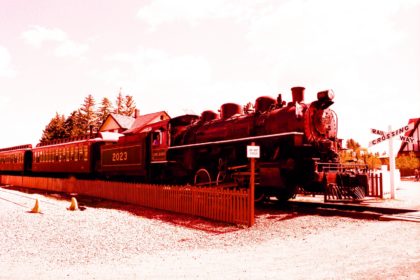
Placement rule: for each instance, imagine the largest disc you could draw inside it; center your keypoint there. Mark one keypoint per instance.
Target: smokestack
(298, 94)
(136, 113)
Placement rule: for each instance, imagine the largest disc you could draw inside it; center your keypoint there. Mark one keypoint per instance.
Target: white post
(391, 165)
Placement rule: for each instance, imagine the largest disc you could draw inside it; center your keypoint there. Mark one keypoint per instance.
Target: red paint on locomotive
(293, 139)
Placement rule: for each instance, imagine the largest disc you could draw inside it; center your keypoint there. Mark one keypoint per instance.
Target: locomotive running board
(253, 138)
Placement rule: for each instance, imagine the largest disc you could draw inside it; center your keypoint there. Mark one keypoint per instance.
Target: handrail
(328, 166)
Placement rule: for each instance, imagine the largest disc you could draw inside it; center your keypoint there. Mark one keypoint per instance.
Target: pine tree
(69, 124)
(73, 126)
(119, 104)
(54, 130)
(104, 110)
(88, 117)
(129, 106)
(86, 120)
(80, 128)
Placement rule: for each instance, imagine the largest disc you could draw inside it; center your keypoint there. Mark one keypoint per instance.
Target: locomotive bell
(298, 94)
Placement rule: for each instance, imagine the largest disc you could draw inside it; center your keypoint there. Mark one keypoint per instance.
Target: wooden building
(125, 124)
(411, 146)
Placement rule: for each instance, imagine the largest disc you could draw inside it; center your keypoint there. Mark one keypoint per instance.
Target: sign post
(391, 165)
(252, 152)
(383, 136)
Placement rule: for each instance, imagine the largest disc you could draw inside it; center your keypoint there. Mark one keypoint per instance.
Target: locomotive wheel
(202, 178)
(290, 182)
(221, 176)
(259, 196)
(224, 178)
(286, 194)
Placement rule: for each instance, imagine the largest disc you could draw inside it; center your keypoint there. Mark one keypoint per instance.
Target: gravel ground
(112, 241)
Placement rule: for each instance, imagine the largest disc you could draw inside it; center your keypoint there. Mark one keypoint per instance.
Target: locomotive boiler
(297, 141)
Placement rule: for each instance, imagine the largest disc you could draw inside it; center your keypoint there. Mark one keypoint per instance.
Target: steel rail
(25, 196)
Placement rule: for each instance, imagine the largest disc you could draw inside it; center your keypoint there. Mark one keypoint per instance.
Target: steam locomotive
(298, 144)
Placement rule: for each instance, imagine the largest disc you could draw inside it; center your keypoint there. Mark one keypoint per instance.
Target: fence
(375, 188)
(226, 205)
(375, 185)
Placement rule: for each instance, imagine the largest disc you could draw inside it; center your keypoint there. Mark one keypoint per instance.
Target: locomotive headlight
(324, 99)
(326, 95)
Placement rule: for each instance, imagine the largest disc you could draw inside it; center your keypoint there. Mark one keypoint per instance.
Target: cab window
(157, 138)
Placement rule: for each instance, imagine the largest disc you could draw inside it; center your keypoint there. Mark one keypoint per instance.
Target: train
(297, 140)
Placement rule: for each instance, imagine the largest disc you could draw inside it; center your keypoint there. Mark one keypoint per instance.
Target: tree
(119, 104)
(104, 110)
(129, 106)
(124, 105)
(373, 161)
(355, 153)
(88, 117)
(73, 124)
(352, 144)
(54, 130)
(407, 163)
(70, 124)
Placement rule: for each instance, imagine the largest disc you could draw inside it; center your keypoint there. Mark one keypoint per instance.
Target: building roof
(116, 121)
(128, 124)
(125, 122)
(410, 133)
(144, 120)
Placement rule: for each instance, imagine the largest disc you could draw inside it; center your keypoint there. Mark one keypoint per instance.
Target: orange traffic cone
(36, 207)
(73, 204)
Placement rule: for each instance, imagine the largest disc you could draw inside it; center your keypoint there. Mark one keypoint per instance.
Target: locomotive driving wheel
(285, 194)
(259, 196)
(222, 172)
(290, 182)
(221, 176)
(202, 178)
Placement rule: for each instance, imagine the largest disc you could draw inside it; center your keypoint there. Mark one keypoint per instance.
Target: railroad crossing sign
(391, 134)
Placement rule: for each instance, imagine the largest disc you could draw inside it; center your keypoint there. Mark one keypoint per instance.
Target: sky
(187, 56)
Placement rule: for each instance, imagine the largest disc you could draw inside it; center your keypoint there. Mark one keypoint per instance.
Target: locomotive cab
(160, 141)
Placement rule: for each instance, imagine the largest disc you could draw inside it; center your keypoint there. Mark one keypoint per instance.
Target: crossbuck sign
(391, 134)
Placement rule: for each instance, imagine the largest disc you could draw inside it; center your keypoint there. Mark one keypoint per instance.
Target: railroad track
(347, 210)
(18, 197)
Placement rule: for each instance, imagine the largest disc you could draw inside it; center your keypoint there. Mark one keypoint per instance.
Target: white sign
(253, 151)
(390, 134)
